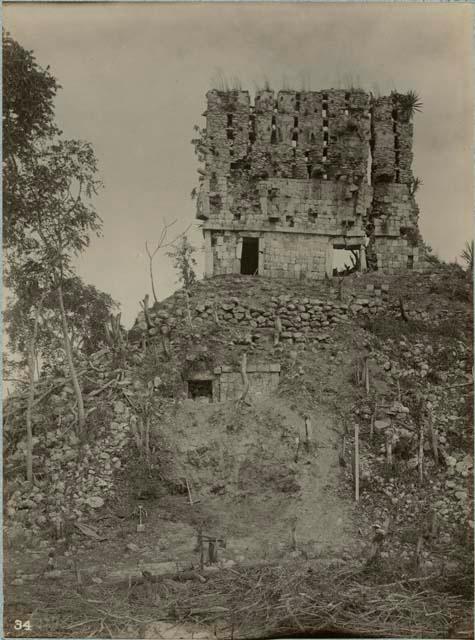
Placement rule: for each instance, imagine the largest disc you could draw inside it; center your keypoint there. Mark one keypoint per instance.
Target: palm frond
(467, 255)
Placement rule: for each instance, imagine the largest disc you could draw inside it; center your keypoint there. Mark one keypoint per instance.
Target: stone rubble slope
(231, 315)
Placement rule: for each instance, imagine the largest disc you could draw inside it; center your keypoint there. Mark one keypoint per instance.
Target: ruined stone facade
(225, 383)
(288, 180)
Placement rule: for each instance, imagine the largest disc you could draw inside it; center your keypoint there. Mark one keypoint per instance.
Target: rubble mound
(153, 434)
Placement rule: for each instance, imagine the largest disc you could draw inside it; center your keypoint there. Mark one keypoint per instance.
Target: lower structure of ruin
(225, 383)
(294, 178)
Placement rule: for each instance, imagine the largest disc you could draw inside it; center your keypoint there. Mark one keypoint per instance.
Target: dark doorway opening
(250, 256)
(198, 389)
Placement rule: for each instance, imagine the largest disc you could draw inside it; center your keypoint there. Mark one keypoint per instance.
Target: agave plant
(408, 103)
(467, 255)
(416, 183)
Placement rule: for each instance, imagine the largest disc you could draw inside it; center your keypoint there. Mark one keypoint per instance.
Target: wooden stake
(373, 418)
(366, 375)
(418, 554)
(433, 439)
(404, 315)
(200, 544)
(215, 315)
(277, 330)
(421, 454)
(297, 442)
(357, 464)
(293, 536)
(189, 493)
(212, 552)
(308, 433)
(389, 449)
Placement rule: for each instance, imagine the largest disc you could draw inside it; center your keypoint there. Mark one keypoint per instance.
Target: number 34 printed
(22, 624)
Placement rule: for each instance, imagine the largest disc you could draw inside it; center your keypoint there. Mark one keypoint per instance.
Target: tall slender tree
(49, 184)
(58, 183)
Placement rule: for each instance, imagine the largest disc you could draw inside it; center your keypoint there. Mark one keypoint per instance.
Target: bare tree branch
(162, 243)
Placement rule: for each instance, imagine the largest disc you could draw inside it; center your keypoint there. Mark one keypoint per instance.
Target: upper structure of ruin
(297, 175)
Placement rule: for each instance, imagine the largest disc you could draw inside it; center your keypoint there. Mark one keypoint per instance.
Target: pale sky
(134, 79)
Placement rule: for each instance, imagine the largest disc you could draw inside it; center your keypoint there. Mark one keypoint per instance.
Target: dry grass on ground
(260, 601)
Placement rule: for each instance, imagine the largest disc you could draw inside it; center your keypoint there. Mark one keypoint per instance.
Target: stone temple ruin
(295, 177)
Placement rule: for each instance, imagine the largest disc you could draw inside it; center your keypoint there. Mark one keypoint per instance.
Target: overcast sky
(134, 79)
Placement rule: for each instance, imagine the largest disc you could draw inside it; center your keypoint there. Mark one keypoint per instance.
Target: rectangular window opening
(230, 119)
(250, 256)
(290, 220)
(410, 262)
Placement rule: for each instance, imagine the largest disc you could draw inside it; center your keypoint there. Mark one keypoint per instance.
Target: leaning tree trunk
(152, 282)
(32, 366)
(69, 356)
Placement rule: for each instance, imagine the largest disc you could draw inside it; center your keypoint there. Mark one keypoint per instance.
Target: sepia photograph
(237, 320)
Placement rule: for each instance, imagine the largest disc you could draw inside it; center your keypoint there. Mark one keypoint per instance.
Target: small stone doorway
(250, 256)
(200, 390)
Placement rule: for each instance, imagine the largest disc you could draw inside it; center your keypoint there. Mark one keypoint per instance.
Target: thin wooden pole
(433, 439)
(357, 463)
(421, 454)
(189, 492)
(366, 375)
(200, 542)
(373, 418)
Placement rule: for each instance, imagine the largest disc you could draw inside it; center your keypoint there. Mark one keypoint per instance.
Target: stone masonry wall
(281, 255)
(263, 380)
(335, 165)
